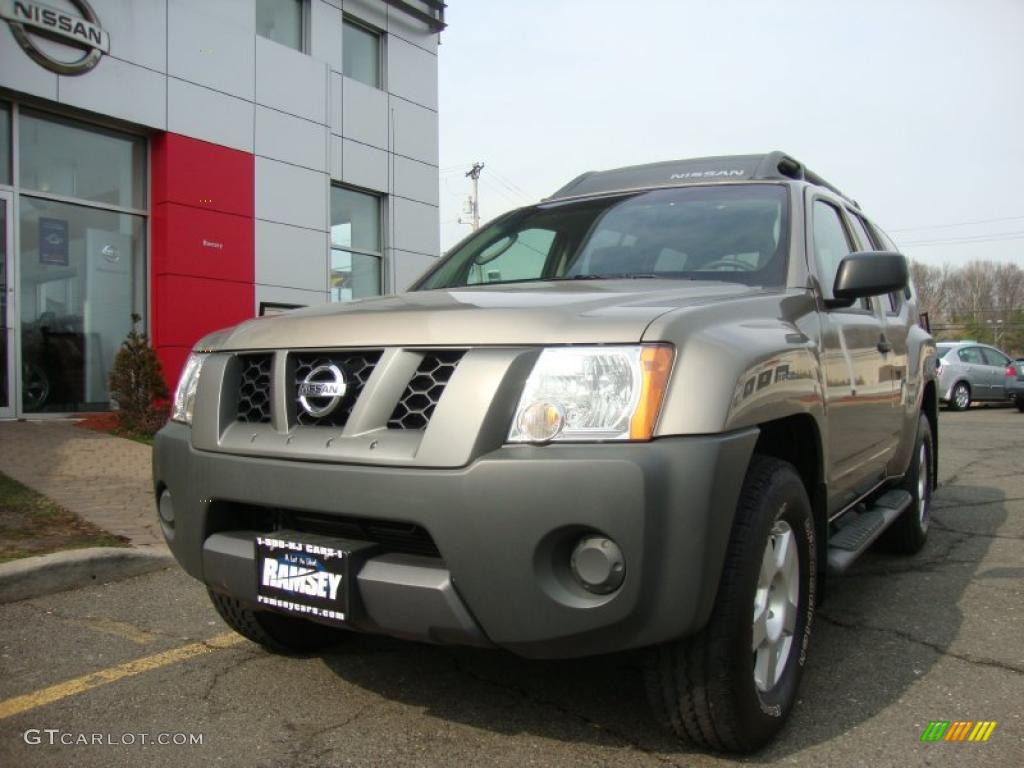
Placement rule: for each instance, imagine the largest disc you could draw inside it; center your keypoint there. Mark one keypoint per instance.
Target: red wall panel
(202, 255)
(202, 243)
(202, 175)
(190, 307)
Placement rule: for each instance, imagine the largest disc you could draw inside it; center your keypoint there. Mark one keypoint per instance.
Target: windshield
(735, 233)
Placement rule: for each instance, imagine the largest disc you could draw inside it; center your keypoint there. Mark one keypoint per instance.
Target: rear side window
(831, 243)
(971, 355)
(995, 357)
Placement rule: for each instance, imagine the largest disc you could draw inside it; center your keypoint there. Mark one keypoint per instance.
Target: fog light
(166, 509)
(598, 564)
(542, 421)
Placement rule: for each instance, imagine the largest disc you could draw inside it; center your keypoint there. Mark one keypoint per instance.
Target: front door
(7, 313)
(862, 425)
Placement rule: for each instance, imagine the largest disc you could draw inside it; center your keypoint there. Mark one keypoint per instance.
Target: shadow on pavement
(884, 625)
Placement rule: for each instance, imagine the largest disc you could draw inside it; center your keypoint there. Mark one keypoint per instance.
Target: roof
(773, 166)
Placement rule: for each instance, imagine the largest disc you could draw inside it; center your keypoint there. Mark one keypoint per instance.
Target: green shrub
(137, 384)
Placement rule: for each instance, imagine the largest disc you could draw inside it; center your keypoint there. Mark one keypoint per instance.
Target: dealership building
(198, 163)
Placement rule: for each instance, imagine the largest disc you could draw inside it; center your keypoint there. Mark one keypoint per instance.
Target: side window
(514, 257)
(831, 244)
(995, 357)
(860, 230)
(971, 355)
(885, 243)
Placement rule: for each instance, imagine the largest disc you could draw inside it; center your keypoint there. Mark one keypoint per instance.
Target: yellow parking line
(19, 704)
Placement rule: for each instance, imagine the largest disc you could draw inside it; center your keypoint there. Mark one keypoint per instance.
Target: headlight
(593, 393)
(185, 395)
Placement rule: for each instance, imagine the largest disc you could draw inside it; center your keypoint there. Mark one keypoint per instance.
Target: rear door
(996, 363)
(975, 372)
(892, 309)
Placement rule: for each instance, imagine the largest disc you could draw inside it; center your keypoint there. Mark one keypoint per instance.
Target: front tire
(960, 397)
(275, 631)
(732, 686)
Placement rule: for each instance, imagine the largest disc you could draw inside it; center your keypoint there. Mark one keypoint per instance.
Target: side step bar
(853, 539)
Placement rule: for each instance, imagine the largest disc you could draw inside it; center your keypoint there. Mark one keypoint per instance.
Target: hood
(535, 313)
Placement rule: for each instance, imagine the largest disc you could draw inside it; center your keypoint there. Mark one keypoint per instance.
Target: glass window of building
(280, 21)
(82, 256)
(360, 53)
(5, 143)
(356, 249)
(67, 158)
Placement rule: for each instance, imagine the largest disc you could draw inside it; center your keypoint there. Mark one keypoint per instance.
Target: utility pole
(474, 200)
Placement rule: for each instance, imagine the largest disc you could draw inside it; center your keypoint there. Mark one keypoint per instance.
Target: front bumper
(504, 526)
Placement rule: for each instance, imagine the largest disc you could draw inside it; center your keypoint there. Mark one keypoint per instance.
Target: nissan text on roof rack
(659, 410)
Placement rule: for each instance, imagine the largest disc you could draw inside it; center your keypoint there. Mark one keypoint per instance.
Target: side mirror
(869, 273)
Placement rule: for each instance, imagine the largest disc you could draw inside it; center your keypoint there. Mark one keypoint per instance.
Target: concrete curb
(45, 574)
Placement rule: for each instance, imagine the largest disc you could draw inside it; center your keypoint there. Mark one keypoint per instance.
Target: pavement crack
(233, 666)
(979, 661)
(628, 740)
(312, 736)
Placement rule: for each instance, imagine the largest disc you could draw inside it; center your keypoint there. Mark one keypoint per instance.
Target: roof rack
(774, 165)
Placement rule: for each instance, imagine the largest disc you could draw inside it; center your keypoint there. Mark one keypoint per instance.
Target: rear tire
(908, 534)
(960, 397)
(721, 689)
(274, 631)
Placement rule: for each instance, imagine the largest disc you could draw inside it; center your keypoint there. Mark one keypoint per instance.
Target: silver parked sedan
(970, 372)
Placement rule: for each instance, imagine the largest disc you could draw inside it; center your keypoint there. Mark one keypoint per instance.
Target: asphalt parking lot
(899, 643)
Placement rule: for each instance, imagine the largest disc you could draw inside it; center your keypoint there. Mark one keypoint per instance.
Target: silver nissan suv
(657, 409)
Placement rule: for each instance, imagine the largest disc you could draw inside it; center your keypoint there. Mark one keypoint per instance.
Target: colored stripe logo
(958, 730)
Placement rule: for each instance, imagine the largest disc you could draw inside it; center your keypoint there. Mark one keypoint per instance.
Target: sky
(915, 108)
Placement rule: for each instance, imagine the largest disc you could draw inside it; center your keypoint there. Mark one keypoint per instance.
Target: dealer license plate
(302, 577)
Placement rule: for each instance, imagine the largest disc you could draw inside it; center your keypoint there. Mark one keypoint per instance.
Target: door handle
(884, 345)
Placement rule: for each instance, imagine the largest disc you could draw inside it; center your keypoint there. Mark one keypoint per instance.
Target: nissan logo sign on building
(198, 163)
(30, 21)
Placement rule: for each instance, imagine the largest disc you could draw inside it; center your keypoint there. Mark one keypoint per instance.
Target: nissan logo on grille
(322, 390)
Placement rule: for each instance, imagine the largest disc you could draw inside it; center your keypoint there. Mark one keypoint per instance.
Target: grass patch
(31, 524)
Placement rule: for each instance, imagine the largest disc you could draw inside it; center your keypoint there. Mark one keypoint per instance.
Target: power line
(491, 185)
(993, 238)
(957, 224)
(511, 184)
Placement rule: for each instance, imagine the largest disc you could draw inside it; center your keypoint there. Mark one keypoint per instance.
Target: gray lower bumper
(504, 526)
(403, 595)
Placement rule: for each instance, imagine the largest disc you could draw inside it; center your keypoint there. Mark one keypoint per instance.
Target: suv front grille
(254, 388)
(356, 366)
(424, 390)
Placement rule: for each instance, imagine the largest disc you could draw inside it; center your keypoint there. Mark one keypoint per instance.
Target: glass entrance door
(6, 309)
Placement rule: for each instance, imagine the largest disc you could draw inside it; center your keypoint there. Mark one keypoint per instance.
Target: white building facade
(200, 162)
